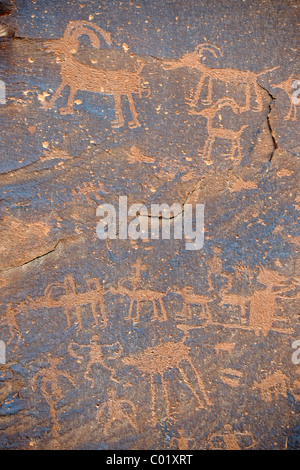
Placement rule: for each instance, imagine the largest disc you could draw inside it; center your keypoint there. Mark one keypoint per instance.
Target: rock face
(134, 342)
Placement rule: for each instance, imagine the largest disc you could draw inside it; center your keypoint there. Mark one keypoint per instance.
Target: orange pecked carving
(83, 77)
(116, 412)
(220, 132)
(192, 60)
(159, 359)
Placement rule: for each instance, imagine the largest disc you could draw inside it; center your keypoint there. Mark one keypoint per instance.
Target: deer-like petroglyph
(157, 360)
(192, 60)
(81, 77)
(51, 389)
(114, 411)
(222, 133)
(287, 86)
(64, 295)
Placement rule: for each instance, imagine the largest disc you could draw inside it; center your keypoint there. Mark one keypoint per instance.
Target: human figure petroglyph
(273, 386)
(64, 295)
(231, 439)
(79, 76)
(116, 412)
(287, 86)
(263, 303)
(96, 356)
(182, 442)
(220, 132)
(157, 360)
(51, 389)
(190, 298)
(225, 75)
(10, 318)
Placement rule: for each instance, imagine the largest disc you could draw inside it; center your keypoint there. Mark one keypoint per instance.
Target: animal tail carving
(215, 50)
(268, 71)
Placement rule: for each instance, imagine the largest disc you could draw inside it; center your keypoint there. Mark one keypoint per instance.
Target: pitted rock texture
(143, 344)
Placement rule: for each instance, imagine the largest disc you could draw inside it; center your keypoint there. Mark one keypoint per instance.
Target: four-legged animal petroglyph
(51, 389)
(64, 295)
(79, 76)
(220, 132)
(159, 359)
(225, 75)
(190, 298)
(287, 86)
(230, 298)
(116, 412)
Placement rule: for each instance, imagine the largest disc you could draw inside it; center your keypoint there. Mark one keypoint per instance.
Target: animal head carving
(192, 59)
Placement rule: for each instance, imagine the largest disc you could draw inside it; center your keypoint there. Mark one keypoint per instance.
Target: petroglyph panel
(139, 343)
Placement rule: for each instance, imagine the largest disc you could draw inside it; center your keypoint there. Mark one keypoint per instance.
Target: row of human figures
(124, 83)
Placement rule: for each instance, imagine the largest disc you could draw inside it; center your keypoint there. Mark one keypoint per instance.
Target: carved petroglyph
(231, 377)
(189, 299)
(224, 347)
(79, 76)
(51, 389)
(232, 299)
(273, 386)
(192, 60)
(159, 359)
(96, 356)
(263, 303)
(287, 86)
(134, 155)
(182, 442)
(220, 132)
(231, 440)
(262, 318)
(64, 295)
(10, 318)
(140, 295)
(116, 412)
